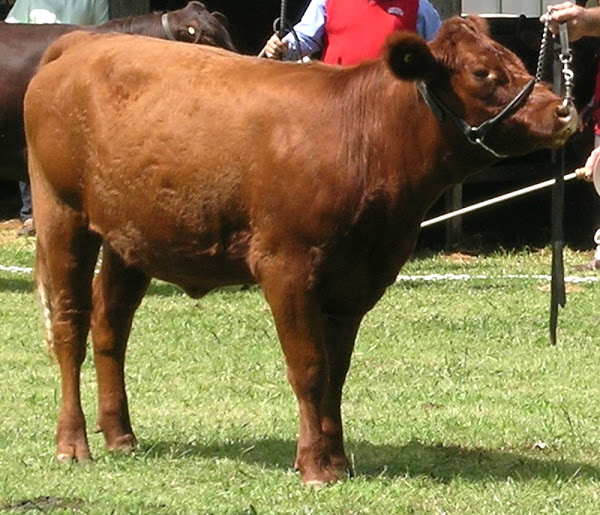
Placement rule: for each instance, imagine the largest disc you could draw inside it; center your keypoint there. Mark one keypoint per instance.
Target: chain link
(565, 57)
(543, 46)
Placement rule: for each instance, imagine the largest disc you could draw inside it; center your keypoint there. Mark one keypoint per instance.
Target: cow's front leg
(300, 328)
(340, 335)
(118, 291)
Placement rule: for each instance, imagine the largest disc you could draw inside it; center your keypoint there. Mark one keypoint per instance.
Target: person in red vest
(348, 31)
(582, 22)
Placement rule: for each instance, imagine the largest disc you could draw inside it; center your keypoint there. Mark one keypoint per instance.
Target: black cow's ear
(221, 18)
(409, 57)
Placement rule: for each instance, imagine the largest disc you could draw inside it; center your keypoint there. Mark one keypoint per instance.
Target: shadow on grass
(442, 463)
(163, 289)
(16, 285)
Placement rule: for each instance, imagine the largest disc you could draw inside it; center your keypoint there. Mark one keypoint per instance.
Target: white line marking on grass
(428, 277)
(466, 277)
(16, 269)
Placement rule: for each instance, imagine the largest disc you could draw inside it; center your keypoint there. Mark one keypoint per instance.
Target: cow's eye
(481, 73)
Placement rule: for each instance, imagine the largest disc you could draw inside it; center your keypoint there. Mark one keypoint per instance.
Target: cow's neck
(148, 25)
(425, 159)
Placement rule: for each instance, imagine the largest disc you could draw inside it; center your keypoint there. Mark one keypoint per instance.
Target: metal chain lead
(566, 57)
(543, 46)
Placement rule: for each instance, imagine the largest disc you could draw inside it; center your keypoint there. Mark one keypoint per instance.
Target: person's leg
(26, 213)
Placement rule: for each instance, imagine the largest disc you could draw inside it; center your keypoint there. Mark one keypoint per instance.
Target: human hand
(580, 21)
(274, 47)
(591, 163)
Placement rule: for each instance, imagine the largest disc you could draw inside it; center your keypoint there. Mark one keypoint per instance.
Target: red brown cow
(22, 47)
(205, 168)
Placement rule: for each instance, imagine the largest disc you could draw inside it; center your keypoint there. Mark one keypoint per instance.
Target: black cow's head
(195, 24)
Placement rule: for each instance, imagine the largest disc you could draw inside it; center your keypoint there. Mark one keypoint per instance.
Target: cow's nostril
(565, 111)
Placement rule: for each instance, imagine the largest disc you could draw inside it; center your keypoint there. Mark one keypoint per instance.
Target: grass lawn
(455, 403)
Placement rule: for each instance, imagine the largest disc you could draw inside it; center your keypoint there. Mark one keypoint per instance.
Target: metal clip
(566, 57)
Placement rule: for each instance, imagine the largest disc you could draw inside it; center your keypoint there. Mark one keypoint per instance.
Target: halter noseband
(474, 135)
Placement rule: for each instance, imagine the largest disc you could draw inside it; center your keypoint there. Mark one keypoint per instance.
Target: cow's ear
(409, 57)
(221, 18)
(477, 24)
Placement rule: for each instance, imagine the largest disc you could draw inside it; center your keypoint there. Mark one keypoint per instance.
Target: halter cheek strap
(474, 135)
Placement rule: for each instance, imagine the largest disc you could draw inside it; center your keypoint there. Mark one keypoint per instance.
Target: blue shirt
(311, 28)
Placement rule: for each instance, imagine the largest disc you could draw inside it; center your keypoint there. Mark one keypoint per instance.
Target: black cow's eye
(481, 73)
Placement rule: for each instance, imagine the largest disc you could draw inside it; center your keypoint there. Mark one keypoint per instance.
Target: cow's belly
(197, 241)
(189, 262)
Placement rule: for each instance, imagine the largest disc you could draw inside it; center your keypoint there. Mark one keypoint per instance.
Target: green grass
(455, 402)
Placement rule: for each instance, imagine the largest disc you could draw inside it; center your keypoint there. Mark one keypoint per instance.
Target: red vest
(357, 29)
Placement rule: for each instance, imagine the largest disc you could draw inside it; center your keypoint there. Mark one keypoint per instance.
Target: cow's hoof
(65, 458)
(123, 444)
(315, 484)
(324, 478)
(342, 467)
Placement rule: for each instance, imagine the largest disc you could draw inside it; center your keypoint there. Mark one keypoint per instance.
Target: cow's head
(465, 76)
(194, 24)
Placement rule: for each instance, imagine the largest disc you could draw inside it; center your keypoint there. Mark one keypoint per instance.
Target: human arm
(580, 21)
(310, 31)
(591, 163)
(428, 20)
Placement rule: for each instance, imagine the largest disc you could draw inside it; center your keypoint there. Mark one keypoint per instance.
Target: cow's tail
(58, 48)
(45, 295)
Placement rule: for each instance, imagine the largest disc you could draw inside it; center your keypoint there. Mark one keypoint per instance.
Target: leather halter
(474, 135)
(164, 19)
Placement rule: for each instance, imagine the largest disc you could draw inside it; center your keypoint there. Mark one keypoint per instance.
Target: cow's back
(176, 173)
(187, 103)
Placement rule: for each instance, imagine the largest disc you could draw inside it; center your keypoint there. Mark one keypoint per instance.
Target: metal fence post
(453, 197)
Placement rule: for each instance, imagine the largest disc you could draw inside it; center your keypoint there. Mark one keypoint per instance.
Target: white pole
(577, 173)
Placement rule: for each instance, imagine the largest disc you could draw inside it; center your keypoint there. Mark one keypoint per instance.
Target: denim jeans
(26, 205)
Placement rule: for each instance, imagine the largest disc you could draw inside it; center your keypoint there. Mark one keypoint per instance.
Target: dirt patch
(569, 288)
(458, 258)
(9, 229)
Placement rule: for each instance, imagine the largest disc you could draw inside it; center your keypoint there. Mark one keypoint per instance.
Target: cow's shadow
(16, 285)
(442, 463)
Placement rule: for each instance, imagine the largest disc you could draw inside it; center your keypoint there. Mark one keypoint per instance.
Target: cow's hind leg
(340, 335)
(66, 257)
(118, 291)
